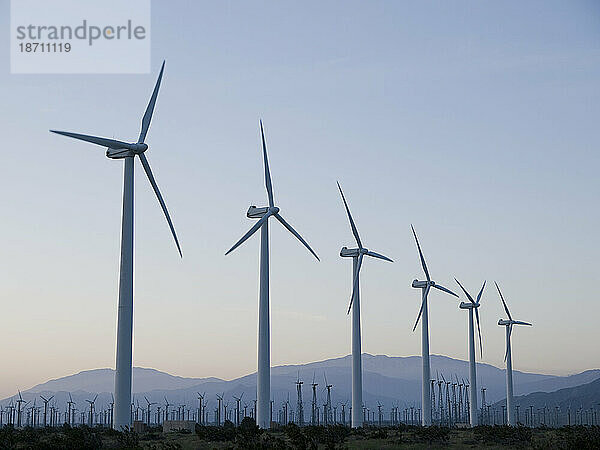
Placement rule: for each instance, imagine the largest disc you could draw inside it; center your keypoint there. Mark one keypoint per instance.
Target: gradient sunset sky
(476, 121)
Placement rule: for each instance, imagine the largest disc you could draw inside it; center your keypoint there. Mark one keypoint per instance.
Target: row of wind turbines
(450, 410)
(123, 377)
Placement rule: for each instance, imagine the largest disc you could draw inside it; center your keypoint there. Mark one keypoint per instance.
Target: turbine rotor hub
(274, 210)
(139, 148)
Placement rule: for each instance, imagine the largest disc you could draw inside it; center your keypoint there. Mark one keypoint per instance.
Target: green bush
(504, 435)
(215, 434)
(430, 435)
(577, 437)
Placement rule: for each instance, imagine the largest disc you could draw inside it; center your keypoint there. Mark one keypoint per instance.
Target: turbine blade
(480, 292)
(377, 255)
(465, 291)
(250, 232)
(295, 233)
(352, 224)
(479, 331)
(104, 142)
(442, 288)
(268, 183)
(355, 284)
(150, 108)
(503, 302)
(148, 171)
(518, 322)
(421, 255)
(422, 305)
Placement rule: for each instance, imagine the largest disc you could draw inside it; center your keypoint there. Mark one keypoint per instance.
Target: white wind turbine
(263, 386)
(473, 306)
(128, 152)
(357, 255)
(510, 413)
(425, 286)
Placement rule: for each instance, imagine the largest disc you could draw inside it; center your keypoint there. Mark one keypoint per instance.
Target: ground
(293, 437)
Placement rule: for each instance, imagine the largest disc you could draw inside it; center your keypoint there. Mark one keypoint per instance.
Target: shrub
(578, 437)
(215, 434)
(504, 435)
(431, 435)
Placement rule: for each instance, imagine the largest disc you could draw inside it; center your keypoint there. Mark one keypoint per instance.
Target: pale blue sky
(475, 121)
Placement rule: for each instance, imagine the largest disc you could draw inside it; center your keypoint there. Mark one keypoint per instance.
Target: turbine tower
(299, 403)
(263, 387)
(128, 152)
(357, 255)
(315, 408)
(508, 358)
(473, 306)
(425, 286)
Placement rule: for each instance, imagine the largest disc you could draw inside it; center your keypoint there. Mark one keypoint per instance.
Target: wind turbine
(237, 408)
(20, 408)
(508, 358)
(315, 408)
(92, 406)
(328, 387)
(357, 255)
(167, 404)
(149, 406)
(473, 306)
(128, 151)
(45, 400)
(425, 286)
(299, 403)
(200, 409)
(263, 387)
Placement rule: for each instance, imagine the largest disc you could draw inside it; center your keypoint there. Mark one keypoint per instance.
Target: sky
(475, 121)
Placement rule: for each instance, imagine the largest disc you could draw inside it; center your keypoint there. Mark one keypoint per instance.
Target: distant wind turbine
(263, 387)
(92, 407)
(510, 413)
(128, 152)
(425, 286)
(357, 255)
(473, 305)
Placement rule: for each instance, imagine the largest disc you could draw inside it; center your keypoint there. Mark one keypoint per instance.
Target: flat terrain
(248, 436)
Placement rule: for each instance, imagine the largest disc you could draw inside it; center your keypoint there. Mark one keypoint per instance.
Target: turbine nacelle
(512, 322)
(127, 151)
(468, 305)
(346, 252)
(422, 284)
(257, 213)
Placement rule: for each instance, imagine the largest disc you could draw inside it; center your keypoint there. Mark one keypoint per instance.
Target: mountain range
(389, 380)
(585, 396)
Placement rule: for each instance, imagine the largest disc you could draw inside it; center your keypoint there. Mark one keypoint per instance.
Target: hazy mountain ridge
(583, 396)
(389, 380)
(102, 380)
